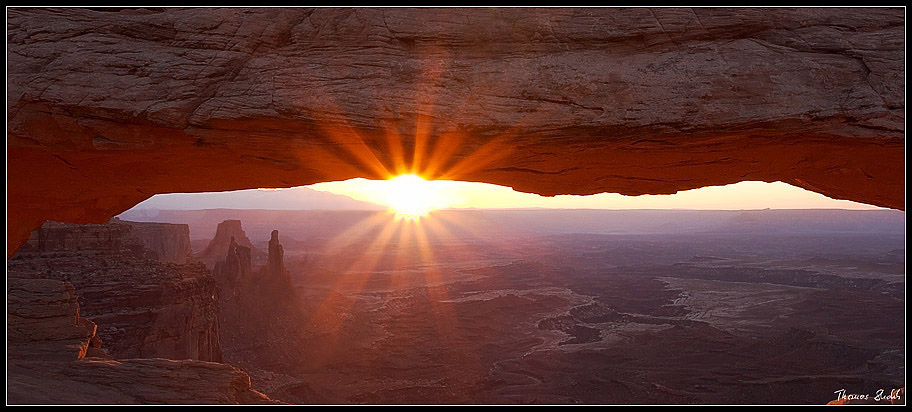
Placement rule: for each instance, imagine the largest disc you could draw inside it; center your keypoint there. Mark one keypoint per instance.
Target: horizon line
(522, 209)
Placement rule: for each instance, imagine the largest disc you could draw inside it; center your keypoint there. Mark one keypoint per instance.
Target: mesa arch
(108, 107)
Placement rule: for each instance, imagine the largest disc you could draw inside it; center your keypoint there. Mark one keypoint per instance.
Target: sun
(412, 197)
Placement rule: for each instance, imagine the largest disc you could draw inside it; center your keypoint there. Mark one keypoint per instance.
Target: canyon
(107, 107)
(151, 318)
(467, 307)
(523, 306)
(148, 306)
(153, 336)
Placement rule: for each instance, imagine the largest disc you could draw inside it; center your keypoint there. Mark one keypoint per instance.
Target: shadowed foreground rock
(107, 108)
(145, 306)
(132, 381)
(43, 321)
(47, 362)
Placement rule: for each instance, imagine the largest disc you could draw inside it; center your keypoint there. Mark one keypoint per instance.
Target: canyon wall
(53, 237)
(108, 107)
(144, 307)
(163, 242)
(54, 358)
(169, 242)
(43, 320)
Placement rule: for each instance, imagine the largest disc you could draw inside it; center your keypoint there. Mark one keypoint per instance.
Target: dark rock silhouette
(227, 232)
(144, 307)
(255, 307)
(234, 269)
(53, 357)
(237, 269)
(43, 320)
(275, 270)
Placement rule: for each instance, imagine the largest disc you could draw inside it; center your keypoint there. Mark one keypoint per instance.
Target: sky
(413, 193)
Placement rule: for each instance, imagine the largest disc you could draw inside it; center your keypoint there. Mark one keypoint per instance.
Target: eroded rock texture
(106, 108)
(43, 320)
(168, 242)
(144, 307)
(234, 269)
(258, 310)
(275, 270)
(49, 360)
(130, 381)
(230, 232)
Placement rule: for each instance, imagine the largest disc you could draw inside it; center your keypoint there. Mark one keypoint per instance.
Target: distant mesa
(169, 242)
(163, 242)
(295, 198)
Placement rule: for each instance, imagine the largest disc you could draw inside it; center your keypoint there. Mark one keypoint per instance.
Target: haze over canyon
(476, 205)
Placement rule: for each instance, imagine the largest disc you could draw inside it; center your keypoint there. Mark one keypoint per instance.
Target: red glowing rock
(108, 108)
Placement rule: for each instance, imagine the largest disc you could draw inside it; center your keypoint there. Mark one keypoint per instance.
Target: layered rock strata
(54, 358)
(169, 242)
(259, 310)
(550, 101)
(144, 307)
(229, 232)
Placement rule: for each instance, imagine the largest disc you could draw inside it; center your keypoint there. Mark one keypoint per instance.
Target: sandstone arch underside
(108, 107)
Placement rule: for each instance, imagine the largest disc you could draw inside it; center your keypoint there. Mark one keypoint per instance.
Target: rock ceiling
(109, 107)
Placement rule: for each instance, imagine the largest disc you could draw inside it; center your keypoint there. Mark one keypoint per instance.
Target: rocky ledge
(144, 307)
(53, 358)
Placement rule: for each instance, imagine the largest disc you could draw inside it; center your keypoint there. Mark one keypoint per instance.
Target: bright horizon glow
(457, 195)
(410, 196)
(447, 194)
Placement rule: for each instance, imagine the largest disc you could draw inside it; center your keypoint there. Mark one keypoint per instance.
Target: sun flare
(412, 197)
